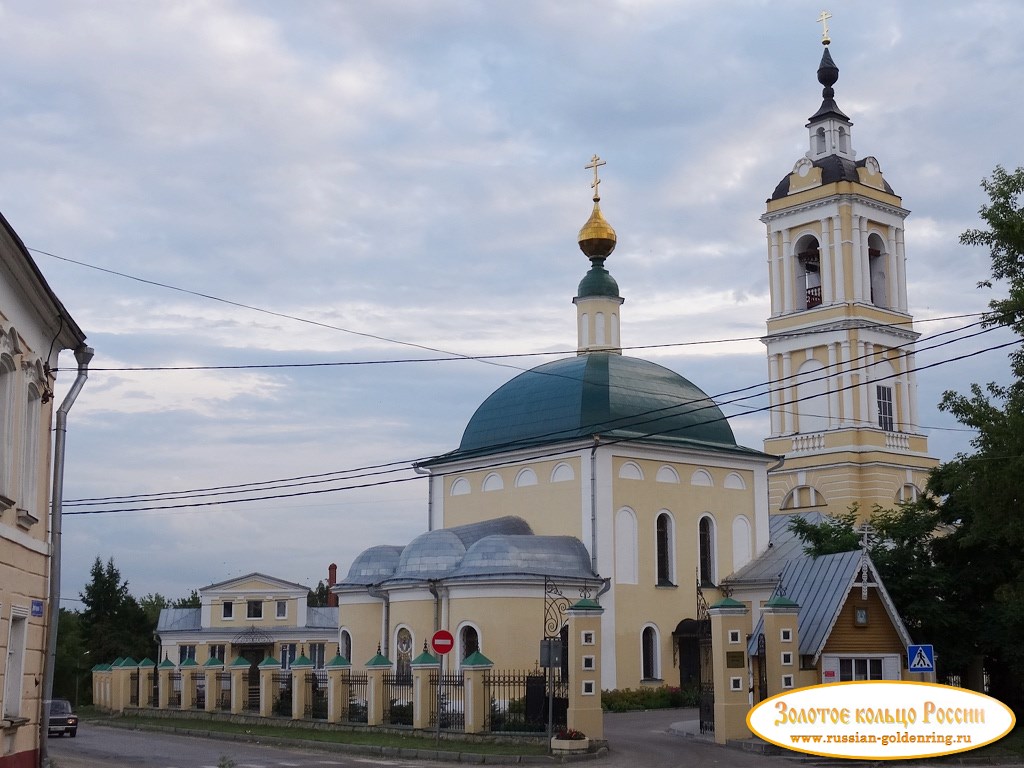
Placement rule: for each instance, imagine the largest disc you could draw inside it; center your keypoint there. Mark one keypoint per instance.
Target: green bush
(665, 697)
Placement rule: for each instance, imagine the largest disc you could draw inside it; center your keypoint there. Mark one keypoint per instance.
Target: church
(610, 478)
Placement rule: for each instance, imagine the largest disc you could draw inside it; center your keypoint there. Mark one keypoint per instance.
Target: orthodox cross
(595, 163)
(823, 18)
(865, 572)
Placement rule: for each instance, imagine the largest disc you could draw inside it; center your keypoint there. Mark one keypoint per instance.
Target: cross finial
(595, 163)
(823, 18)
(866, 530)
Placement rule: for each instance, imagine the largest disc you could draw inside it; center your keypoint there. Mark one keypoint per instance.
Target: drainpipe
(437, 603)
(83, 355)
(382, 594)
(593, 504)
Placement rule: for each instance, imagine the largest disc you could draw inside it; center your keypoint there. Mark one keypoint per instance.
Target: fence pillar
(780, 613)
(147, 669)
(424, 697)
(212, 666)
(122, 683)
(338, 670)
(474, 667)
(239, 685)
(729, 619)
(164, 687)
(584, 689)
(188, 683)
(301, 695)
(268, 667)
(375, 669)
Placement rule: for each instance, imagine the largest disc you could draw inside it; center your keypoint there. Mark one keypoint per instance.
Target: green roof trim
(597, 282)
(128, 661)
(213, 661)
(146, 663)
(116, 662)
(378, 661)
(426, 660)
(477, 659)
(101, 668)
(190, 662)
(167, 664)
(240, 662)
(302, 662)
(728, 602)
(338, 661)
(781, 601)
(586, 604)
(269, 662)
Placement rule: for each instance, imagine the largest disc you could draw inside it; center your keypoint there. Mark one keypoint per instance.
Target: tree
(317, 598)
(114, 625)
(192, 601)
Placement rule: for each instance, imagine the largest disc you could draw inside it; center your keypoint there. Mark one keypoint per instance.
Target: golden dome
(597, 238)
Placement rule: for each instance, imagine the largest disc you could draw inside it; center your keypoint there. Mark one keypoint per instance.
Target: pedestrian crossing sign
(921, 658)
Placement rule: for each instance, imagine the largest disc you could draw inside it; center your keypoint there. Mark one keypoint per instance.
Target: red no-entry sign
(442, 641)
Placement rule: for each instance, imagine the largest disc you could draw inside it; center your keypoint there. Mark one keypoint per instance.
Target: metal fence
(453, 701)
(251, 702)
(224, 691)
(282, 693)
(357, 710)
(397, 699)
(133, 688)
(153, 691)
(174, 695)
(316, 694)
(199, 681)
(518, 701)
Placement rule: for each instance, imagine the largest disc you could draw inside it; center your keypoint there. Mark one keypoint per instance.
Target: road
(637, 739)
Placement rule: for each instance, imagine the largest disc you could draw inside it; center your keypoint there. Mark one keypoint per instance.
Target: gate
(282, 693)
(174, 695)
(199, 683)
(762, 668)
(397, 699)
(224, 691)
(453, 701)
(316, 694)
(707, 671)
(133, 688)
(251, 701)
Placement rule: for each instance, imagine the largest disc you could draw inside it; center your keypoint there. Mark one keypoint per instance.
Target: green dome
(598, 282)
(597, 393)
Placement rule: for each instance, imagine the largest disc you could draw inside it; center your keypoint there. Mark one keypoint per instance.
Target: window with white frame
(186, 652)
(282, 609)
(706, 537)
(7, 382)
(317, 652)
(787, 681)
(345, 644)
(665, 550)
(786, 635)
(787, 658)
(885, 413)
(860, 669)
(14, 673)
(469, 641)
(227, 610)
(651, 662)
(30, 457)
(217, 651)
(288, 655)
(736, 683)
(254, 609)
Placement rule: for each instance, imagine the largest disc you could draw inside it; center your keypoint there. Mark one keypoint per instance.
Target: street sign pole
(441, 642)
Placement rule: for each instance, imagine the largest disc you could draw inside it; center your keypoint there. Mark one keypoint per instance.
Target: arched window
(345, 644)
(469, 641)
(877, 258)
(625, 547)
(649, 649)
(526, 477)
(30, 460)
(908, 493)
(702, 477)
(706, 536)
(734, 481)
(664, 550)
(403, 656)
(807, 272)
(460, 487)
(6, 424)
(493, 482)
(631, 471)
(667, 475)
(562, 473)
(802, 497)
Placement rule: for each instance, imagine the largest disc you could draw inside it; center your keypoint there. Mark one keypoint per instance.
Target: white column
(901, 271)
(774, 396)
(788, 300)
(865, 375)
(788, 407)
(834, 382)
(891, 272)
(840, 270)
(846, 364)
(858, 255)
(774, 272)
(865, 265)
(825, 262)
(912, 390)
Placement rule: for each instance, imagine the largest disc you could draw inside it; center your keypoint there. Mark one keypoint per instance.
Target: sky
(389, 188)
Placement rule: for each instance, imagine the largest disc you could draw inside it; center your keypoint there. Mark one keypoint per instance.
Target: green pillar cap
(781, 601)
(378, 661)
(213, 661)
(104, 668)
(338, 661)
(302, 663)
(167, 664)
(146, 663)
(190, 663)
(728, 602)
(240, 662)
(477, 659)
(269, 662)
(586, 604)
(426, 660)
(116, 662)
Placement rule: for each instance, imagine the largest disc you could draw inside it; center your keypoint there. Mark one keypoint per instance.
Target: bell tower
(840, 339)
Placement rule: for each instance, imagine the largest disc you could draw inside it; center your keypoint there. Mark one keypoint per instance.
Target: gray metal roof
(564, 556)
(783, 546)
(321, 617)
(819, 585)
(178, 620)
(373, 565)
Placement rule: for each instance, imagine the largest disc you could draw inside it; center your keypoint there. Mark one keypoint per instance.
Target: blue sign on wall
(37, 607)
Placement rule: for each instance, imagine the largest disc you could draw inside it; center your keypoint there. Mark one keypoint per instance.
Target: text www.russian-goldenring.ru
(885, 740)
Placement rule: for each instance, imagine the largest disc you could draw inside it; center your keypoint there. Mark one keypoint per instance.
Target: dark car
(62, 719)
